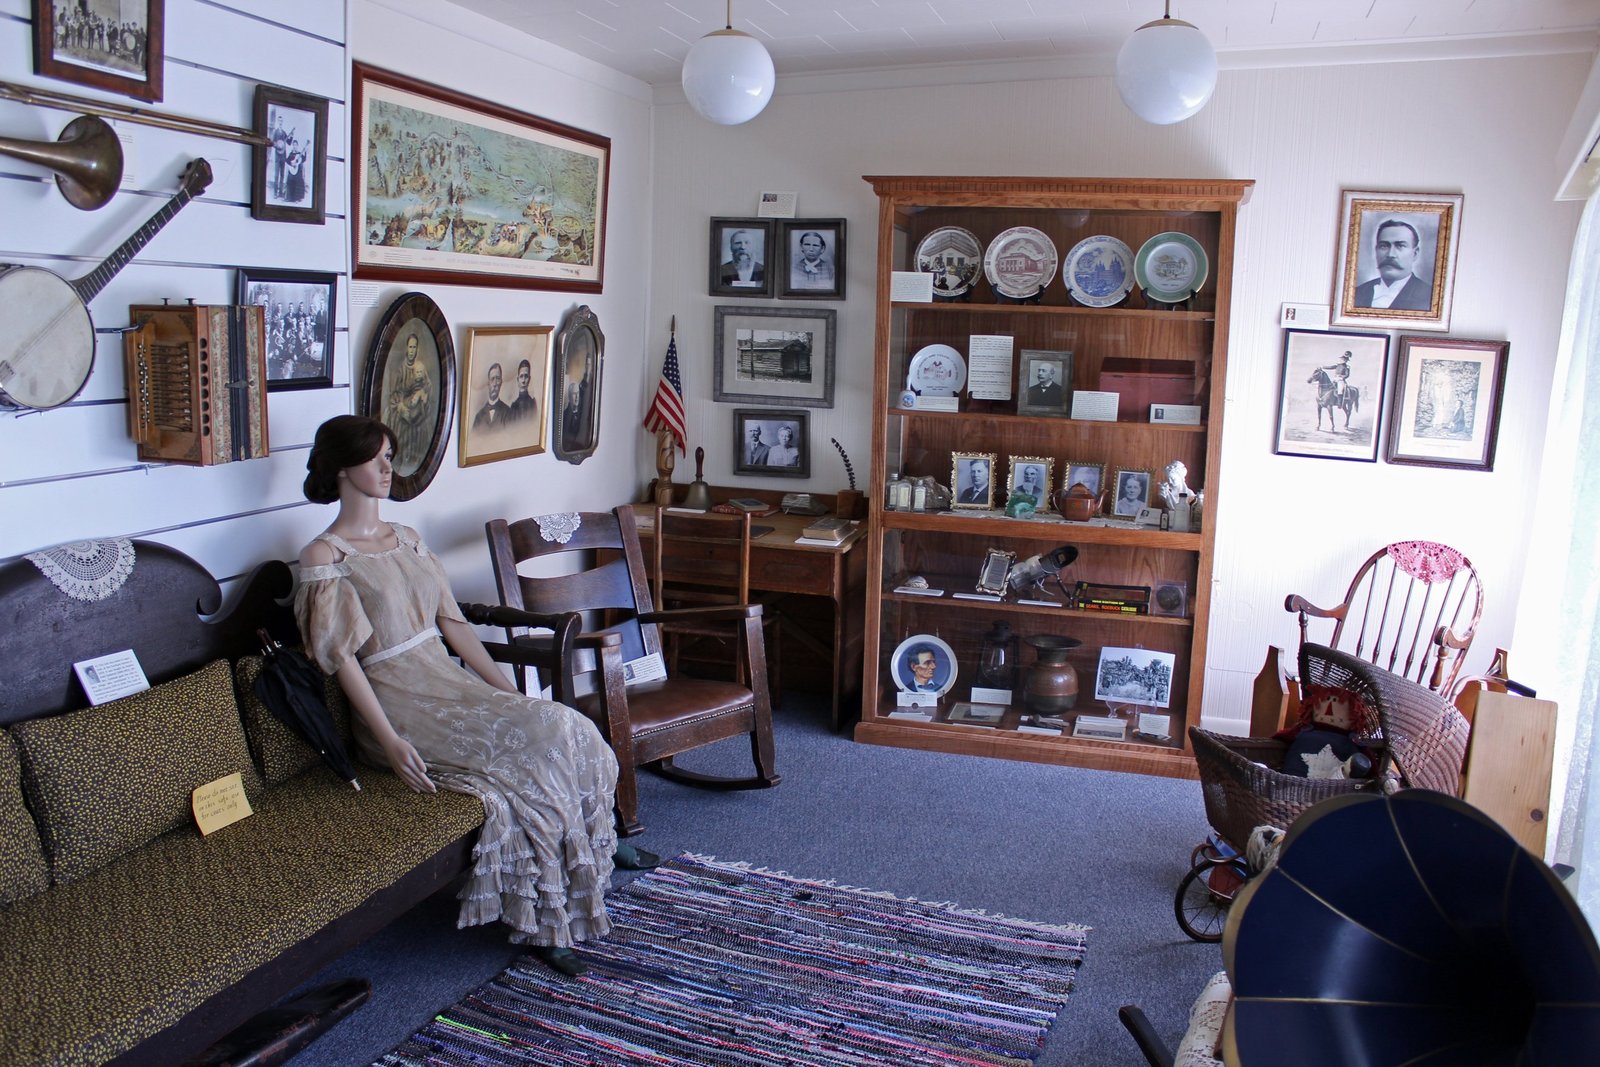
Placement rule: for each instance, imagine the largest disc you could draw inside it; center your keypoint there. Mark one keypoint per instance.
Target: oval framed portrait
(408, 383)
(575, 393)
(924, 663)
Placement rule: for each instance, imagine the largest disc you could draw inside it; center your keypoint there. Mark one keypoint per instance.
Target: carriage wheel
(1201, 911)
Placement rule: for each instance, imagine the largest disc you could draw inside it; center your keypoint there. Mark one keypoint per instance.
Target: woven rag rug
(711, 964)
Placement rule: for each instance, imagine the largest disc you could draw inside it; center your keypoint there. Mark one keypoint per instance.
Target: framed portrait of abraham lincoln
(409, 381)
(1397, 260)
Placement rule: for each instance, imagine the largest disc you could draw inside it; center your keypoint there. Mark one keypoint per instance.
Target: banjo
(46, 335)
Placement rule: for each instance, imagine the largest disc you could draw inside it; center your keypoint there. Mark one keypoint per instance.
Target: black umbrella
(291, 688)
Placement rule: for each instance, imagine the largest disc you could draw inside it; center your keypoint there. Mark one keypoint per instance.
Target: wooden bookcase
(948, 547)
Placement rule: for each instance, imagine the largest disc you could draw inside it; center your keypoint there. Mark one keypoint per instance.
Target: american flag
(667, 407)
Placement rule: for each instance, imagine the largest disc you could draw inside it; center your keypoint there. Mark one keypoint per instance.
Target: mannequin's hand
(408, 765)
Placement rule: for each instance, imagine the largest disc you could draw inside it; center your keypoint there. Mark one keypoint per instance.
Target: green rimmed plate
(1171, 267)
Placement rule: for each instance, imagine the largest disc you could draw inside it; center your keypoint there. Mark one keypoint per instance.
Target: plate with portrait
(923, 663)
(1099, 271)
(1021, 262)
(953, 256)
(937, 370)
(1171, 267)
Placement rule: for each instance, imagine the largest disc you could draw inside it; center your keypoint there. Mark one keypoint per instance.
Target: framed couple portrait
(771, 443)
(288, 181)
(1397, 259)
(504, 378)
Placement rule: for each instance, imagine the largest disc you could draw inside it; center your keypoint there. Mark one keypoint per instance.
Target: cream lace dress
(546, 777)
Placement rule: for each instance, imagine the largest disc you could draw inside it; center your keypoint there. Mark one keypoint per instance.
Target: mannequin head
(342, 442)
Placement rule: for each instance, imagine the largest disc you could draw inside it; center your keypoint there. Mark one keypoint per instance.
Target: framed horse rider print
(1332, 394)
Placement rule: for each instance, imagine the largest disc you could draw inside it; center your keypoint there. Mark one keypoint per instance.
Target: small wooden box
(197, 382)
(1142, 382)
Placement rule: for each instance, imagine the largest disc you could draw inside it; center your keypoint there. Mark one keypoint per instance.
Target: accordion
(197, 382)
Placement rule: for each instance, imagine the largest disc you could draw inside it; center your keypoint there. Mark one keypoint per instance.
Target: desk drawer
(793, 572)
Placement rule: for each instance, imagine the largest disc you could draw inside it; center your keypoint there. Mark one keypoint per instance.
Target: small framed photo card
(1134, 676)
(741, 257)
(923, 663)
(1397, 260)
(772, 443)
(1447, 394)
(504, 375)
(299, 310)
(1092, 475)
(972, 478)
(1032, 476)
(288, 182)
(1045, 382)
(1332, 397)
(813, 259)
(1133, 493)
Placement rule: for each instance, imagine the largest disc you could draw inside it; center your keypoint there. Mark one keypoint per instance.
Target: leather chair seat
(656, 706)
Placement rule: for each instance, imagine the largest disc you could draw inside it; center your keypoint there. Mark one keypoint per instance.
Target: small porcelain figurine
(1175, 494)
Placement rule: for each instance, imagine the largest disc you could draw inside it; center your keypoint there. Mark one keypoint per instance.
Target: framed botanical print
(409, 382)
(299, 309)
(288, 181)
(742, 257)
(1397, 260)
(1447, 396)
(1332, 398)
(813, 251)
(504, 379)
(112, 46)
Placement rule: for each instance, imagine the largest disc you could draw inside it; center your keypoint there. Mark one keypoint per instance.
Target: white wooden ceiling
(649, 38)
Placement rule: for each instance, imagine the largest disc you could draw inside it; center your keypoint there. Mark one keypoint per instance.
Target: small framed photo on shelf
(1090, 475)
(772, 443)
(1133, 493)
(741, 257)
(299, 311)
(1447, 394)
(288, 180)
(814, 264)
(1032, 476)
(1332, 397)
(1397, 260)
(1134, 676)
(1044, 382)
(972, 479)
(994, 572)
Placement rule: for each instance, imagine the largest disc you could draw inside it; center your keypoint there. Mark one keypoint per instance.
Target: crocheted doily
(559, 527)
(86, 570)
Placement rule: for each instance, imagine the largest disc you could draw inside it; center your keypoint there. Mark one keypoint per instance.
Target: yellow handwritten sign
(220, 803)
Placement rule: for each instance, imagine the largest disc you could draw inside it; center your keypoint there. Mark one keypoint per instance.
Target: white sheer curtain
(1559, 652)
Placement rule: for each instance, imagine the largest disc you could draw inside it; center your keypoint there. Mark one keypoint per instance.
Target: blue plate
(1099, 271)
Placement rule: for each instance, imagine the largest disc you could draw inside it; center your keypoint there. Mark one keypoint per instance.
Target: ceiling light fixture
(728, 75)
(1167, 70)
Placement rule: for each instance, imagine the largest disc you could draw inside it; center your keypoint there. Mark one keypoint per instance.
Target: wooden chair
(649, 721)
(701, 559)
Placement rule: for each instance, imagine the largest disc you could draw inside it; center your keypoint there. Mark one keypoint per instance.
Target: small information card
(910, 287)
(111, 677)
(1092, 405)
(989, 366)
(220, 803)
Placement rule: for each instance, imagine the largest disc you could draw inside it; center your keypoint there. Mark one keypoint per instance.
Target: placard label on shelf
(910, 287)
(1093, 405)
(936, 403)
(977, 596)
(1176, 414)
(1153, 725)
(916, 700)
(1102, 726)
(981, 695)
(989, 366)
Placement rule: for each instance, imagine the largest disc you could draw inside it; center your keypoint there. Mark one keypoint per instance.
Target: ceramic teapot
(1079, 503)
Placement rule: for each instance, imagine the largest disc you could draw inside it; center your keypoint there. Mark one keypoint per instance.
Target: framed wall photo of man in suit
(1044, 385)
(742, 253)
(1397, 260)
(972, 479)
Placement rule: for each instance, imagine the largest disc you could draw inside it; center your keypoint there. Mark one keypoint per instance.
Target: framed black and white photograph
(771, 443)
(504, 376)
(813, 259)
(1397, 259)
(924, 663)
(288, 182)
(1447, 394)
(1134, 676)
(114, 45)
(1032, 476)
(742, 251)
(575, 392)
(1090, 475)
(299, 307)
(1133, 493)
(972, 479)
(1044, 382)
(1333, 391)
(774, 355)
(409, 383)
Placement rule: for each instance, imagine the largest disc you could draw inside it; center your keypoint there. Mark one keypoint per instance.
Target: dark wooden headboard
(166, 611)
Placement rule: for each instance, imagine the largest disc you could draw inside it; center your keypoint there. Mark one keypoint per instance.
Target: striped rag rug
(711, 964)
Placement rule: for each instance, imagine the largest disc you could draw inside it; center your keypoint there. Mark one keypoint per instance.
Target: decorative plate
(952, 255)
(944, 665)
(937, 370)
(1021, 262)
(1099, 271)
(1171, 267)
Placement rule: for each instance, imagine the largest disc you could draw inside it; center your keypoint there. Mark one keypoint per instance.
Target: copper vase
(1052, 684)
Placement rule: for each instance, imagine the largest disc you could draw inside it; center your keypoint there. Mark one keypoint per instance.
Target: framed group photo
(771, 443)
(1447, 397)
(774, 355)
(813, 259)
(299, 308)
(740, 257)
(288, 181)
(409, 381)
(1397, 260)
(116, 45)
(1332, 394)
(972, 479)
(504, 378)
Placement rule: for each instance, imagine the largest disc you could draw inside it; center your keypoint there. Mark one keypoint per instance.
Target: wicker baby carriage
(1420, 742)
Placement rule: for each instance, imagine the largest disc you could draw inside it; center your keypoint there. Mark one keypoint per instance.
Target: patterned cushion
(23, 868)
(105, 780)
(278, 750)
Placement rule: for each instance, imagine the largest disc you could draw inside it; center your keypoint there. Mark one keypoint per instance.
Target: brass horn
(86, 158)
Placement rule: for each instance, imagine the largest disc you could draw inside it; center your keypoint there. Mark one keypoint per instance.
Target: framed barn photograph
(288, 180)
(114, 45)
(1333, 390)
(774, 355)
(299, 308)
(813, 259)
(742, 257)
(409, 382)
(504, 378)
(1447, 394)
(1397, 260)
(768, 443)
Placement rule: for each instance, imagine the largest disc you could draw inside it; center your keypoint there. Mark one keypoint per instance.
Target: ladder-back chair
(645, 722)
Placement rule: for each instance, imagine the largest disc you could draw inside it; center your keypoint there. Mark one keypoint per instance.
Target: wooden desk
(780, 569)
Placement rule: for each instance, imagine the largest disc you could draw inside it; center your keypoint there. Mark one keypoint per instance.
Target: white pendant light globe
(728, 77)
(1166, 71)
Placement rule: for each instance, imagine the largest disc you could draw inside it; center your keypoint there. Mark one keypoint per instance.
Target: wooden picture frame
(409, 381)
(1124, 505)
(65, 48)
(1447, 398)
(774, 355)
(289, 177)
(1043, 468)
(1314, 393)
(518, 232)
(1092, 475)
(740, 257)
(1036, 397)
(301, 310)
(577, 378)
(505, 382)
(813, 259)
(786, 436)
(967, 490)
(1390, 239)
